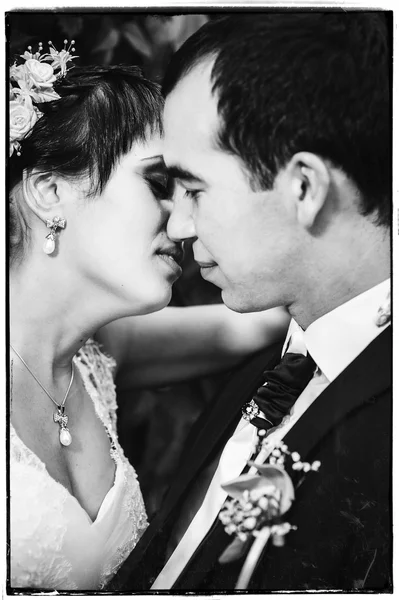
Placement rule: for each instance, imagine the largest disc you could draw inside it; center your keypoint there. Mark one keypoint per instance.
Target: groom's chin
(235, 301)
(242, 301)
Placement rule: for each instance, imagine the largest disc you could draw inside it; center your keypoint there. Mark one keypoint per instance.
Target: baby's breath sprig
(244, 516)
(253, 513)
(279, 453)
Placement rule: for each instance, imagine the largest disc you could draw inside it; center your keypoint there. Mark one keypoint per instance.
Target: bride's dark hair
(101, 112)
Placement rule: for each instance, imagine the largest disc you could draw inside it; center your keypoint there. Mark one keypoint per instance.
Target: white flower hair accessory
(32, 82)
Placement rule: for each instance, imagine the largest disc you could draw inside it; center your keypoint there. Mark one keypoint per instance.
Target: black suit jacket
(343, 513)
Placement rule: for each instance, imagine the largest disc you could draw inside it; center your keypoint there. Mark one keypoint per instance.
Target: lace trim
(38, 569)
(20, 453)
(136, 520)
(134, 512)
(98, 379)
(49, 569)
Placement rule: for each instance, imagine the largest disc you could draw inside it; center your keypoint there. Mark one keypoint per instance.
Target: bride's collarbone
(85, 468)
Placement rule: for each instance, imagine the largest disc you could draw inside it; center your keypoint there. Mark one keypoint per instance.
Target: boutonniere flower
(255, 511)
(384, 312)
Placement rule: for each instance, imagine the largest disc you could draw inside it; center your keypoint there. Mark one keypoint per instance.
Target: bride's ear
(310, 186)
(41, 193)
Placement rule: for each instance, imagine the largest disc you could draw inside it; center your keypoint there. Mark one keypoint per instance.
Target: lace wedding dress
(54, 543)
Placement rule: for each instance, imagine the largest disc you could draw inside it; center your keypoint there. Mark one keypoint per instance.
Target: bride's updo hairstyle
(101, 113)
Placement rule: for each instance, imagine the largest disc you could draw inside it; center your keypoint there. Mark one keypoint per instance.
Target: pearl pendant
(62, 419)
(65, 437)
(49, 245)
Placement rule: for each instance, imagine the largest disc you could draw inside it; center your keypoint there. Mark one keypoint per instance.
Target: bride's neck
(51, 316)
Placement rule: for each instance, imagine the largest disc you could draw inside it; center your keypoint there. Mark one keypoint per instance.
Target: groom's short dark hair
(290, 82)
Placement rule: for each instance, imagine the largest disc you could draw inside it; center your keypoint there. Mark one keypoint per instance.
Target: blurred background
(107, 37)
(153, 423)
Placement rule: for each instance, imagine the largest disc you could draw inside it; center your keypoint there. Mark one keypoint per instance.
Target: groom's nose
(181, 225)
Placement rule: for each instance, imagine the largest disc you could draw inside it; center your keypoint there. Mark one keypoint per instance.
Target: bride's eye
(161, 187)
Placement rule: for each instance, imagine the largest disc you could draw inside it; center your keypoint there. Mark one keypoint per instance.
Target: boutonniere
(384, 312)
(255, 511)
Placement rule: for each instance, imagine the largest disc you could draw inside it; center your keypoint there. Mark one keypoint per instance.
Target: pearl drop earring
(56, 223)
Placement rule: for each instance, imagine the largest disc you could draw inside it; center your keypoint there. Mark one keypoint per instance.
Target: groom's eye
(192, 194)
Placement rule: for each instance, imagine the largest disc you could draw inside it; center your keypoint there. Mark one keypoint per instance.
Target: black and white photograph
(199, 268)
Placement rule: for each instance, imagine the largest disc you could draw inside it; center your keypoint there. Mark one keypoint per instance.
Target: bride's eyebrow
(156, 157)
(154, 160)
(153, 164)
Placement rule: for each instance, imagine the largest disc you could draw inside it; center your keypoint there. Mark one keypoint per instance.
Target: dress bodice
(54, 543)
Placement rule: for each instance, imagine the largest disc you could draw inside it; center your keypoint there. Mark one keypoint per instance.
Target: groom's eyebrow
(183, 175)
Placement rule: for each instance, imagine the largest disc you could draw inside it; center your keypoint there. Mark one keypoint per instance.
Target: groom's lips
(206, 265)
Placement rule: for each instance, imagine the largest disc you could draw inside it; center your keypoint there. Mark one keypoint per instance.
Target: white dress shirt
(334, 341)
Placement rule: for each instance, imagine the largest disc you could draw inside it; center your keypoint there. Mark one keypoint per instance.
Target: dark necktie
(282, 386)
(277, 395)
(275, 398)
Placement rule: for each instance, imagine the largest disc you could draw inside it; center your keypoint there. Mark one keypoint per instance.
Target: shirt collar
(338, 337)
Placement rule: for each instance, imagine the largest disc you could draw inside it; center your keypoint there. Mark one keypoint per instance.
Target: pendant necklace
(59, 417)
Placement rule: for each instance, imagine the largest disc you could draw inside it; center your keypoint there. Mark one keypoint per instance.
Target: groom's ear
(310, 183)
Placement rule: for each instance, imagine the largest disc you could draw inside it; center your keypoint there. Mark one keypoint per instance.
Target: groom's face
(243, 239)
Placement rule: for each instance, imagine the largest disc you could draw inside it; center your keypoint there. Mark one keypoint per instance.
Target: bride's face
(119, 240)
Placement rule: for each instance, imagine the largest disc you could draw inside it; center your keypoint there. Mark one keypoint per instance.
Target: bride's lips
(173, 257)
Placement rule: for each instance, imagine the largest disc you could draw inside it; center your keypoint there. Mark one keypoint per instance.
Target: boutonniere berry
(254, 512)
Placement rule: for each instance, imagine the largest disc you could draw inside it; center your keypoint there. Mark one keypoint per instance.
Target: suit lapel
(212, 427)
(366, 377)
(222, 415)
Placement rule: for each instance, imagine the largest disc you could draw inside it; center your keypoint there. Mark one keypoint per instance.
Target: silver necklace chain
(59, 406)
(60, 416)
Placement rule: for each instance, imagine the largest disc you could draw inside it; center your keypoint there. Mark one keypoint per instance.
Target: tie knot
(281, 388)
(294, 370)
